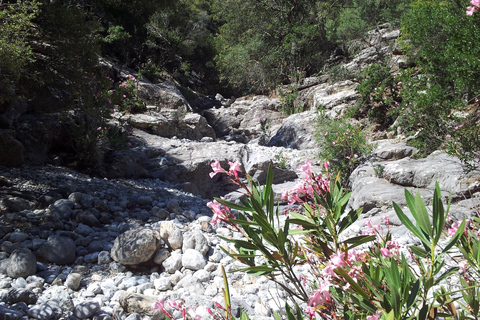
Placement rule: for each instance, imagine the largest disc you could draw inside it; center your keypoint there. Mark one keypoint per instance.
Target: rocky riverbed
(111, 248)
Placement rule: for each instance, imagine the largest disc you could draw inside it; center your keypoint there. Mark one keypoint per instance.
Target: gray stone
(135, 246)
(73, 281)
(9, 314)
(161, 255)
(41, 312)
(22, 263)
(63, 208)
(195, 240)
(104, 257)
(21, 295)
(141, 304)
(172, 236)
(58, 250)
(86, 309)
(162, 284)
(58, 298)
(134, 316)
(87, 218)
(17, 236)
(193, 259)
(173, 263)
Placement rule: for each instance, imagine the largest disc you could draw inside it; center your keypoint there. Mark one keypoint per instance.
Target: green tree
(261, 43)
(439, 94)
(16, 28)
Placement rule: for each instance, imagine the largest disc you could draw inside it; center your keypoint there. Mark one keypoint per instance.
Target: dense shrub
(439, 95)
(343, 143)
(16, 28)
(379, 94)
(262, 43)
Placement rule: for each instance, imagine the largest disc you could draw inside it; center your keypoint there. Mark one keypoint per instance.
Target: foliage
(368, 276)
(342, 142)
(443, 40)
(16, 28)
(339, 73)
(261, 43)
(288, 95)
(357, 17)
(379, 94)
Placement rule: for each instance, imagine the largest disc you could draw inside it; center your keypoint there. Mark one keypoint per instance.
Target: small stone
(21, 295)
(172, 236)
(73, 281)
(162, 284)
(193, 259)
(135, 246)
(161, 255)
(41, 312)
(86, 309)
(134, 316)
(173, 263)
(9, 314)
(17, 236)
(144, 200)
(104, 257)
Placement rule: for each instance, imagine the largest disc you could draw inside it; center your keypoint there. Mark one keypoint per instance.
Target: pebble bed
(85, 215)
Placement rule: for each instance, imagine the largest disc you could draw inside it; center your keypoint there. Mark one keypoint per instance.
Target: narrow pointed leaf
(406, 221)
(455, 237)
(352, 283)
(423, 219)
(233, 205)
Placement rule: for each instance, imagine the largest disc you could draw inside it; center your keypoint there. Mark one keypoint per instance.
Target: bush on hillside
(439, 94)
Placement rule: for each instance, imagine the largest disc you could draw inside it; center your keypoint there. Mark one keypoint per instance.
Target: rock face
(135, 246)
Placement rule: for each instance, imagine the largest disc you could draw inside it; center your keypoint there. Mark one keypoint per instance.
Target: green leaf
(455, 237)
(422, 217)
(413, 294)
(406, 221)
(359, 240)
(268, 185)
(438, 213)
(355, 286)
(256, 270)
(420, 252)
(348, 220)
(233, 205)
(446, 274)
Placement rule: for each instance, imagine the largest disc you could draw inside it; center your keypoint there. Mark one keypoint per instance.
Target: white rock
(193, 260)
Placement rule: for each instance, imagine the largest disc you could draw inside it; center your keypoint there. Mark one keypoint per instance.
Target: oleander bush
(369, 276)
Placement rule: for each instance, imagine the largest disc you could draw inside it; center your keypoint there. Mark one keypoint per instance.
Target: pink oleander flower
(310, 312)
(234, 168)
(371, 230)
(175, 305)
(338, 259)
(321, 295)
(220, 213)
(217, 168)
(328, 271)
(385, 252)
(306, 169)
(470, 10)
(376, 316)
(159, 305)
